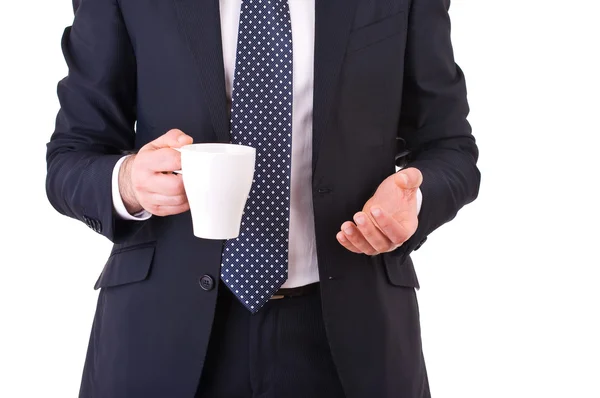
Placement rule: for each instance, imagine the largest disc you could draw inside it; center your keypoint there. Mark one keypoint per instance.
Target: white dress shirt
(302, 265)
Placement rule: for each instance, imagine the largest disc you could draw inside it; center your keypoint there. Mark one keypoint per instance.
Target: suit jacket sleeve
(433, 120)
(95, 124)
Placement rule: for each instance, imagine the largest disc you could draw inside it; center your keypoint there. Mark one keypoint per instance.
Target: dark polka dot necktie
(254, 265)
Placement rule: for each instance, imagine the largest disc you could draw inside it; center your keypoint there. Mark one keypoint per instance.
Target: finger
(166, 184)
(163, 159)
(341, 237)
(410, 178)
(372, 234)
(163, 211)
(355, 237)
(155, 199)
(391, 228)
(171, 139)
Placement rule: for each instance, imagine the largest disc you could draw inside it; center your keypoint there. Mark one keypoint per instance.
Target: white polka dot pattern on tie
(254, 265)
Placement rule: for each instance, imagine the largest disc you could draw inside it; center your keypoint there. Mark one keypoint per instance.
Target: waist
(296, 291)
(283, 293)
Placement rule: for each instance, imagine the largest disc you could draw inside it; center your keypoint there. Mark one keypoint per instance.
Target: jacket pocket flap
(400, 274)
(375, 32)
(127, 265)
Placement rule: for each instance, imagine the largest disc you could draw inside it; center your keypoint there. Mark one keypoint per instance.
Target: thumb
(410, 178)
(171, 139)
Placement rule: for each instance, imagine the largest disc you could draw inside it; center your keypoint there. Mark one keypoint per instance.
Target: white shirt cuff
(118, 204)
(419, 200)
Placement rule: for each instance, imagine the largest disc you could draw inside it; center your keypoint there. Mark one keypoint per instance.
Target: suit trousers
(280, 352)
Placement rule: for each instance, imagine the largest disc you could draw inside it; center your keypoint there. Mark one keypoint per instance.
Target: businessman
(317, 298)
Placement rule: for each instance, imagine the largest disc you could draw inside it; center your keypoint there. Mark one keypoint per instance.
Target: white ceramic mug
(217, 179)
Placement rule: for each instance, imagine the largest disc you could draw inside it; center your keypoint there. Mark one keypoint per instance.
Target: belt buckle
(276, 297)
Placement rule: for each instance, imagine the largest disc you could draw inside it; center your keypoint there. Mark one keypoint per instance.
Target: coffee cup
(217, 178)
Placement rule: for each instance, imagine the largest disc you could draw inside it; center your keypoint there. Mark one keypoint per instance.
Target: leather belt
(296, 291)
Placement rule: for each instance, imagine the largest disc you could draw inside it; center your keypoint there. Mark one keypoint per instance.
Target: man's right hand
(146, 181)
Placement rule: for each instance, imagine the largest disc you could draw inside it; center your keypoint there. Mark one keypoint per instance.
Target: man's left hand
(388, 219)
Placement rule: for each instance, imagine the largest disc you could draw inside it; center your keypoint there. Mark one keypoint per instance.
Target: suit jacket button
(207, 282)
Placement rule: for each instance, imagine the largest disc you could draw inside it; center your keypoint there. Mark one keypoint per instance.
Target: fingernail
(348, 231)
(360, 220)
(376, 212)
(340, 236)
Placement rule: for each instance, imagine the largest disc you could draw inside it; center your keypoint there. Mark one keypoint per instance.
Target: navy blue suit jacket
(385, 81)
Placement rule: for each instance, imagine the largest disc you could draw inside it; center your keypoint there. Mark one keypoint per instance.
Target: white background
(510, 297)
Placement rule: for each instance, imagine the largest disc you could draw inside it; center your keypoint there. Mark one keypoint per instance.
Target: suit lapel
(200, 23)
(333, 21)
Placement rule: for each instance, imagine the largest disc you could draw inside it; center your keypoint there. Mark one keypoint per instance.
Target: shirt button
(207, 282)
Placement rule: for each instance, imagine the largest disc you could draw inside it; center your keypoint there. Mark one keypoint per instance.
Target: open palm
(388, 219)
